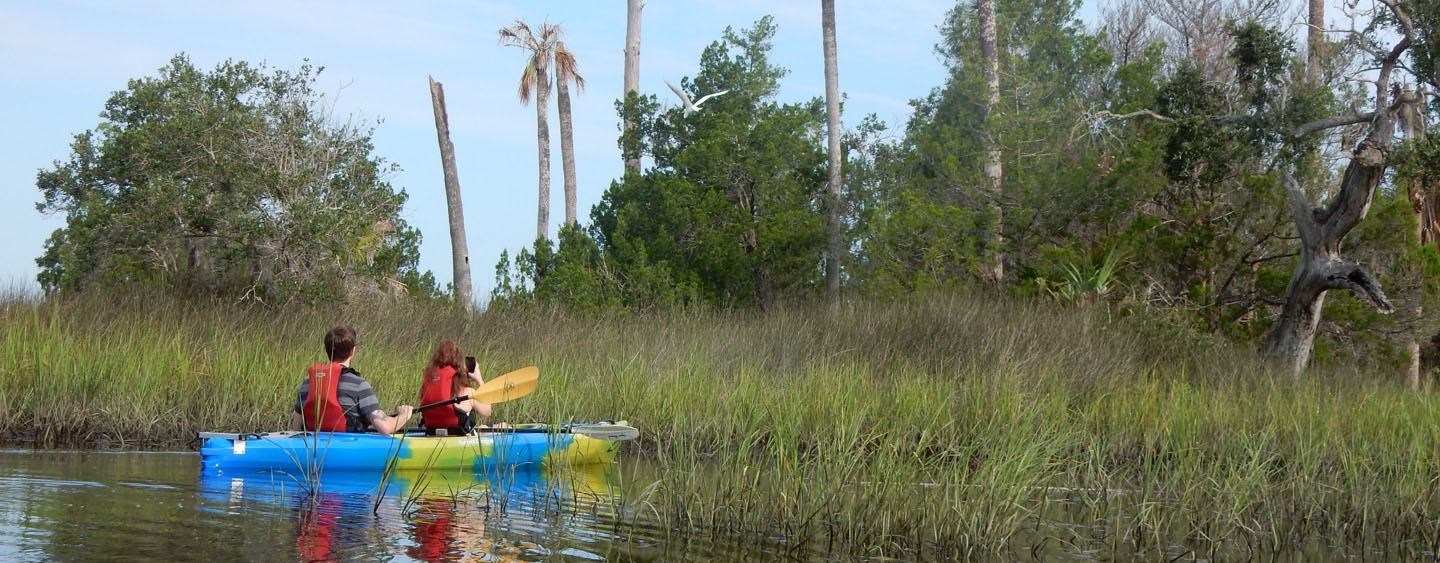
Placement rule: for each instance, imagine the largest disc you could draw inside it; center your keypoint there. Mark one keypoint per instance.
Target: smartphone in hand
(469, 364)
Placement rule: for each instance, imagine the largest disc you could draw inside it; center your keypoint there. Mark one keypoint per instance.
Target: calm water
(87, 506)
(138, 506)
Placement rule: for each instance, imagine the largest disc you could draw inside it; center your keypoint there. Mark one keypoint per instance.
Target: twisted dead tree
(1321, 267)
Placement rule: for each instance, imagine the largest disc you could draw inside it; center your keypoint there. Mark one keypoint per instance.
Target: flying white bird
(691, 107)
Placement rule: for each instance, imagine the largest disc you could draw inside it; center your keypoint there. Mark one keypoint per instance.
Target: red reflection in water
(434, 532)
(317, 529)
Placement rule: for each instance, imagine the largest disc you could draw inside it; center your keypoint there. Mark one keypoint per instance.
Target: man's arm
(297, 422)
(369, 407)
(385, 424)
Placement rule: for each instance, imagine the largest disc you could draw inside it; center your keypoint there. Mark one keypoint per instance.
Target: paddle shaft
(442, 403)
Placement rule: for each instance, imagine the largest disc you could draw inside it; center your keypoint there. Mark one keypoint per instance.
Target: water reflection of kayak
(309, 451)
(442, 513)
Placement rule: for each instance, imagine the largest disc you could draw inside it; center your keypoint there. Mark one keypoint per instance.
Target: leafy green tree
(569, 275)
(1388, 243)
(233, 181)
(937, 216)
(1212, 234)
(733, 204)
(1425, 53)
(731, 212)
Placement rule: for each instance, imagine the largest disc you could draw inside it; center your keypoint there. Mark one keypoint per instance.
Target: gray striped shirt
(356, 398)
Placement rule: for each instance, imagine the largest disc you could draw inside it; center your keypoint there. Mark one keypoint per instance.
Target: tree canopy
(1174, 165)
(1145, 175)
(232, 180)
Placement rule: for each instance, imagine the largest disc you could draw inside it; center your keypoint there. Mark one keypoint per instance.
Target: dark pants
(465, 428)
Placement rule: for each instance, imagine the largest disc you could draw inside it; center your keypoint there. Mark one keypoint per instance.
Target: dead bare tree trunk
(1321, 267)
(1315, 40)
(990, 52)
(632, 68)
(459, 255)
(542, 140)
(835, 248)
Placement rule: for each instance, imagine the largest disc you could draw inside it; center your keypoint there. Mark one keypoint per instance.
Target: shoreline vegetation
(931, 427)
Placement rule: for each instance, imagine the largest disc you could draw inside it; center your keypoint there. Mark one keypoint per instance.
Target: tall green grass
(934, 428)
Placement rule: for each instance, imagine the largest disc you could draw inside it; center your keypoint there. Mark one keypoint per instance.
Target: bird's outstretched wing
(708, 96)
(681, 93)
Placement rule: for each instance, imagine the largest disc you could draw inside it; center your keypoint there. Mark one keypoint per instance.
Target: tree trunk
(1425, 231)
(835, 248)
(459, 255)
(1315, 40)
(1412, 374)
(1293, 337)
(1322, 230)
(990, 52)
(1423, 200)
(1321, 267)
(542, 138)
(632, 68)
(567, 147)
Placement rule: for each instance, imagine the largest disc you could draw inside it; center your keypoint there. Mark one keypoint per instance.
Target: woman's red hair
(447, 353)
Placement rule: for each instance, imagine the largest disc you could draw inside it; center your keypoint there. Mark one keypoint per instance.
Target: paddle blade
(613, 432)
(508, 387)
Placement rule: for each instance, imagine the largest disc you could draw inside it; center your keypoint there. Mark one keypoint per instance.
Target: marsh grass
(930, 429)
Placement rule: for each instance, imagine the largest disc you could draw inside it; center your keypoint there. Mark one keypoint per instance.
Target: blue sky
(62, 59)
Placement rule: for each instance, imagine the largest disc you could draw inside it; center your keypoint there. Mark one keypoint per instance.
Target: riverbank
(929, 429)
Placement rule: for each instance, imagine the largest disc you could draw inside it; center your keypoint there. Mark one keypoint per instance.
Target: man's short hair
(340, 343)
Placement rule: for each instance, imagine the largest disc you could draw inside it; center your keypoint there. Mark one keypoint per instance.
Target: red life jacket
(322, 405)
(434, 389)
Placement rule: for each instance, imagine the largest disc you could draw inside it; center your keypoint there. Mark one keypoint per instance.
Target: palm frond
(551, 33)
(527, 81)
(518, 35)
(566, 68)
(541, 48)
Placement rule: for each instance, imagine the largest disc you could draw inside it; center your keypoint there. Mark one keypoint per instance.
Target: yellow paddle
(508, 387)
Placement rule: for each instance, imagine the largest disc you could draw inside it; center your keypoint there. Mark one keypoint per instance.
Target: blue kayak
(536, 445)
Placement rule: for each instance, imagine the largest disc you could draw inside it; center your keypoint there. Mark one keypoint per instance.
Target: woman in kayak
(445, 378)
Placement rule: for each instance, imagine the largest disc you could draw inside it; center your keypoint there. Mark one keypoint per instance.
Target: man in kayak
(343, 401)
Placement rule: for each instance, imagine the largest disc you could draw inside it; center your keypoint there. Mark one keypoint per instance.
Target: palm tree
(832, 114)
(566, 71)
(540, 48)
